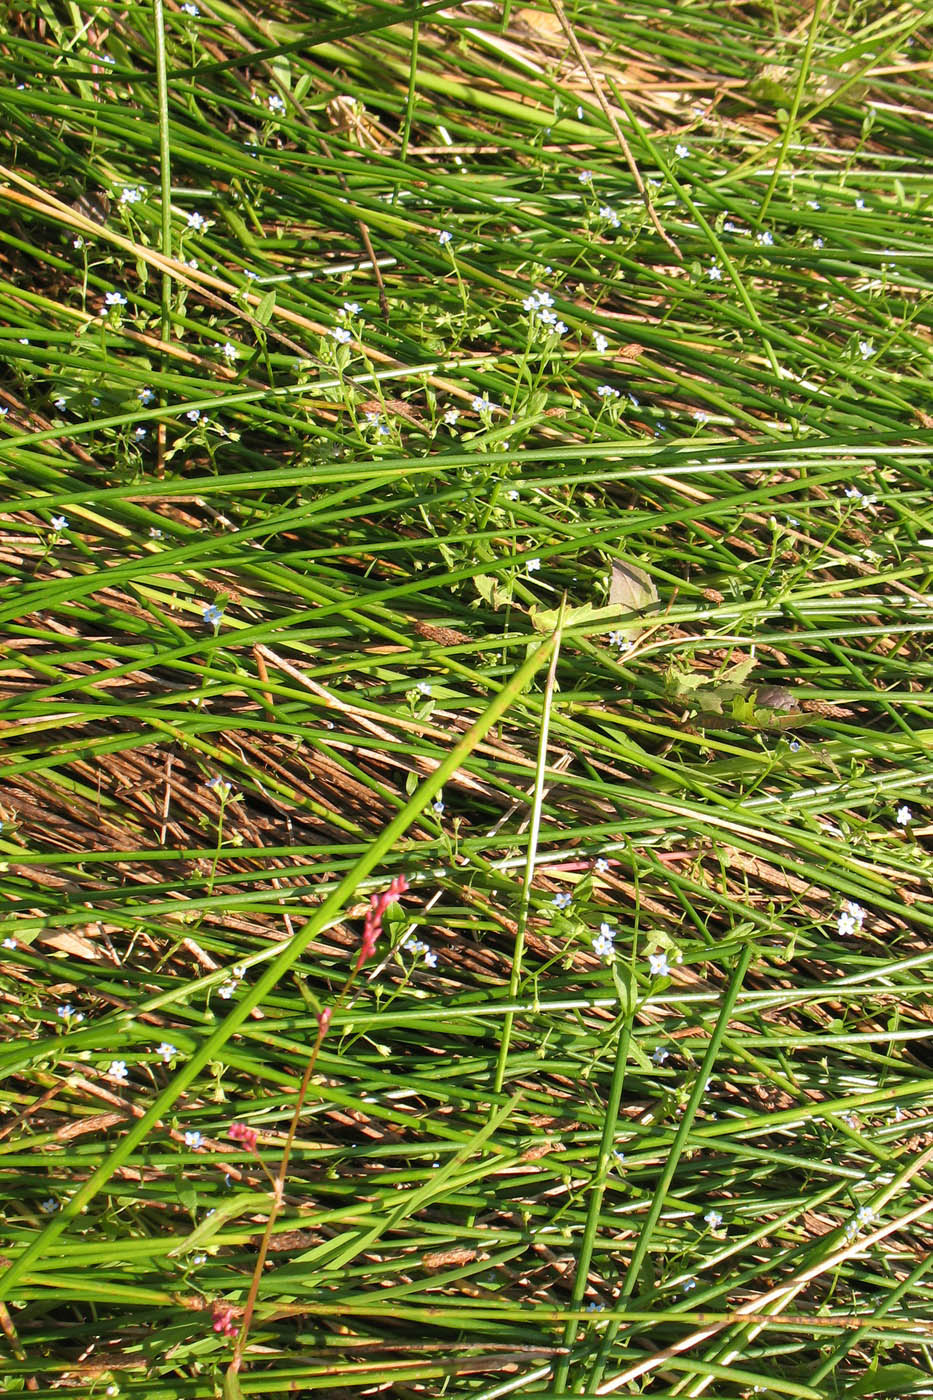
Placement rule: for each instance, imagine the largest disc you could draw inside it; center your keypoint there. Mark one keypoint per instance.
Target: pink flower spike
(241, 1133)
(378, 904)
(323, 1021)
(224, 1320)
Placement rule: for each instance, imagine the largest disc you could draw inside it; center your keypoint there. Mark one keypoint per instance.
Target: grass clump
(480, 457)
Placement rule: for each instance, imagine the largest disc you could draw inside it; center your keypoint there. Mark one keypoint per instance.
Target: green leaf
(887, 1380)
(263, 312)
(631, 588)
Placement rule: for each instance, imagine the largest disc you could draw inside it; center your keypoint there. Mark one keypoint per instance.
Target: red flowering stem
(372, 928)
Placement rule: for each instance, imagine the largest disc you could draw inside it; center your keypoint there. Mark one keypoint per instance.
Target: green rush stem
(630, 1282)
(165, 177)
(597, 1191)
(540, 770)
(790, 125)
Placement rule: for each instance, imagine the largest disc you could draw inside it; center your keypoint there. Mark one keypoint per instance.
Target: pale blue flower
(114, 299)
(59, 522)
(212, 614)
(193, 1139)
(562, 899)
(659, 965)
(681, 150)
(118, 1071)
(341, 335)
(196, 221)
(444, 237)
(903, 815)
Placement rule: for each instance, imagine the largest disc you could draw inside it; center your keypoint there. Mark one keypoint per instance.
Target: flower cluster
(230, 988)
(223, 1320)
(415, 945)
(372, 928)
(850, 919)
(538, 305)
(240, 1132)
(603, 945)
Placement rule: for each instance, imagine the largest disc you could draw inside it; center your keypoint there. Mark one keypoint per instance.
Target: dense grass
(301, 566)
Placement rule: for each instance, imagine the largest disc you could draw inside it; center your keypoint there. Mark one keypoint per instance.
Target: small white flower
(154, 532)
(560, 328)
(856, 911)
(275, 103)
(118, 1071)
(817, 242)
(483, 405)
(602, 865)
(167, 1051)
(689, 1284)
(49, 1206)
(533, 565)
(78, 242)
(714, 272)
(700, 415)
(139, 434)
(813, 203)
(430, 958)
(659, 965)
(350, 308)
(65, 1010)
(444, 237)
(424, 687)
(229, 351)
(604, 948)
(192, 1139)
(860, 204)
(451, 416)
(659, 1055)
(227, 989)
(145, 396)
(729, 227)
(866, 349)
(114, 299)
(585, 177)
(512, 495)
(607, 212)
(438, 806)
(9, 942)
(681, 150)
(190, 9)
(59, 522)
(341, 335)
(600, 341)
(193, 415)
(61, 404)
(845, 925)
(903, 816)
(713, 1219)
(606, 391)
(196, 221)
(766, 239)
(130, 194)
(562, 899)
